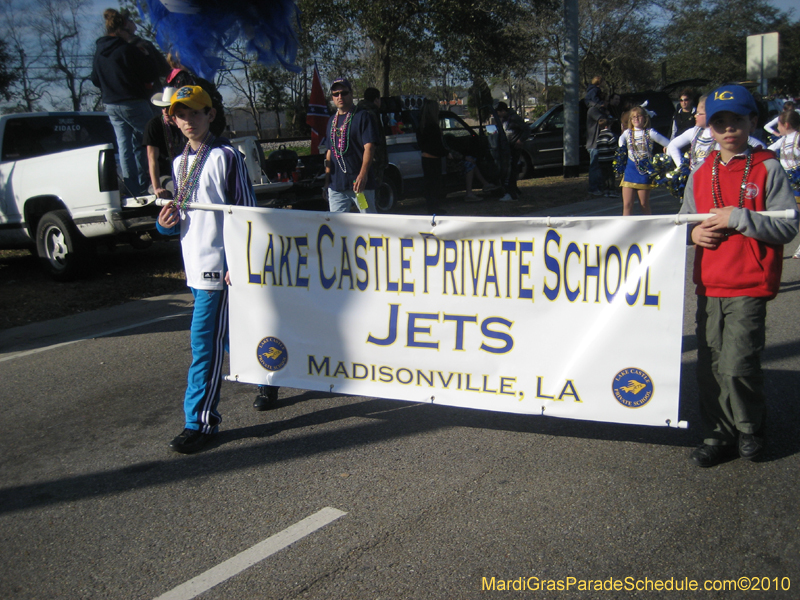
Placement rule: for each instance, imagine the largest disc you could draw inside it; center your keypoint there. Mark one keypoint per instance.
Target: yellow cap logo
(726, 95)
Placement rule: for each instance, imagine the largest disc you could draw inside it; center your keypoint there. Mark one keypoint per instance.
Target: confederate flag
(317, 116)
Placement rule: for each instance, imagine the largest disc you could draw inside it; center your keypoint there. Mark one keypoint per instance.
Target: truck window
(454, 127)
(27, 137)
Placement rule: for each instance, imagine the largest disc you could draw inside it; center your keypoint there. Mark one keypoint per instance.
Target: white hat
(164, 98)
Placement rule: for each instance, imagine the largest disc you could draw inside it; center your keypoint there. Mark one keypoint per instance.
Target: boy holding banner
(209, 171)
(737, 269)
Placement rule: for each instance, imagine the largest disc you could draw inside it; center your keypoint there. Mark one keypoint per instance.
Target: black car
(544, 149)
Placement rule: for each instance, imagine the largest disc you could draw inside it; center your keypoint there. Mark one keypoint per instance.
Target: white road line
(245, 560)
(90, 337)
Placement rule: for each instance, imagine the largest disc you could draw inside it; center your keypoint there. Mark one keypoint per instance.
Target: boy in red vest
(737, 269)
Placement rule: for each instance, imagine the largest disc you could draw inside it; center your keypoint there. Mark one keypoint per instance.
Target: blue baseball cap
(342, 82)
(733, 98)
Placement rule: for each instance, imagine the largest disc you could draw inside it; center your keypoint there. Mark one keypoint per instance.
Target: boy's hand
(710, 233)
(168, 217)
(721, 217)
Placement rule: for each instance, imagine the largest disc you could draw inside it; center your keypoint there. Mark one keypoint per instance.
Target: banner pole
(678, 219)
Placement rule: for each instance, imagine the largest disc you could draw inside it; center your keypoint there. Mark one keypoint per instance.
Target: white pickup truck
(59, 190)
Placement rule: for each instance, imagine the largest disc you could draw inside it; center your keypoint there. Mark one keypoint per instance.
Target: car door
(545, 146)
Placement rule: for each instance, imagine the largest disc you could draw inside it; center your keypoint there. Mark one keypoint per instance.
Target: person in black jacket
(429, 138)
(125, 76)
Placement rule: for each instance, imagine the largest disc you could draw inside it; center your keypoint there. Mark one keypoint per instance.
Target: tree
(7, 76)
(708, 39)
(49, 55)
(58, 27)
(788, 81)
(272, 86)
(616, 41)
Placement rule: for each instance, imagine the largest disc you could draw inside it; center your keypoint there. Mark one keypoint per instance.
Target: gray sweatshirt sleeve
(771, 230)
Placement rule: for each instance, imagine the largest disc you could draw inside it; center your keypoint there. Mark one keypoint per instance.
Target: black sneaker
(190, 441)
(710, 456)
(750, 446)
(267, 397)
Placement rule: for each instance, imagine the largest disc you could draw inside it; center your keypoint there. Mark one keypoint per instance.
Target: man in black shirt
(163, 142)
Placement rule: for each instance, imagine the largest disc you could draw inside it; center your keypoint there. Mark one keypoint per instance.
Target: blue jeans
(129, 120)
(342, 201)
(595, 172)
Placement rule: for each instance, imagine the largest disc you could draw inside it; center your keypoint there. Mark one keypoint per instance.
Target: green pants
(730, 338)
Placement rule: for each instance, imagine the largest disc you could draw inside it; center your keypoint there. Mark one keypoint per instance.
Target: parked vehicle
(59, 190)
(403, 176)
(544, 149)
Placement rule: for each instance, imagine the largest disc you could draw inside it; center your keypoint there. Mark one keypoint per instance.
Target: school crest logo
(633, 388)
(272, 354)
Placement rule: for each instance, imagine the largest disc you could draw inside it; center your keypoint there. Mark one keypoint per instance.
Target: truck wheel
(386, 196)
(62, 249)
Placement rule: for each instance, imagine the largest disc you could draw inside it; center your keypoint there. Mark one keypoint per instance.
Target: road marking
(245, 560)
(91, 337)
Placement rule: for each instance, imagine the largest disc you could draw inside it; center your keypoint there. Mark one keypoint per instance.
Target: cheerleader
(771, 126)
(788, 149)
(700, 143)
(638, 140)
(697, 138)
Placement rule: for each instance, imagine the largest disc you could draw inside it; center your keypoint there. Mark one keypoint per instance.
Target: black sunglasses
(340, 93)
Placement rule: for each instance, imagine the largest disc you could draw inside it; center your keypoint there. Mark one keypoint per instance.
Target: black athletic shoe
(267, 397)
(750, 446)
(190, 441)
(710, 456)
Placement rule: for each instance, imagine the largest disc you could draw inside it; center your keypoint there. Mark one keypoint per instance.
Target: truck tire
(62, 249)
(386, 196)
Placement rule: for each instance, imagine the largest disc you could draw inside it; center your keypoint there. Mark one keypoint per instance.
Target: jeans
(595, 172)
(342, 201)
(129, 120)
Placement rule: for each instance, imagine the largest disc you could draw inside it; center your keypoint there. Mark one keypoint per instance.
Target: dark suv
(545, 147)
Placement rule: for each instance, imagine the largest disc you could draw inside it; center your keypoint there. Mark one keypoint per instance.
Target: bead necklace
(644, 154)
(189, 177)
(716, 190)
(340, 139)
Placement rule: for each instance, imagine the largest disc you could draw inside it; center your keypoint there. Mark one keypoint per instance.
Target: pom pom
(620, 159)
(794, 179)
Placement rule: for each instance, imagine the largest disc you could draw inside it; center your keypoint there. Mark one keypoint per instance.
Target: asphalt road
(430, 502)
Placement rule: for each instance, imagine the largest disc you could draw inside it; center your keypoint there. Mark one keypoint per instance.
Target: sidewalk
(96, 323)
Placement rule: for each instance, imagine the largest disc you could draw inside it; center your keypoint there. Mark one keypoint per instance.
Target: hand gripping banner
(568, 317)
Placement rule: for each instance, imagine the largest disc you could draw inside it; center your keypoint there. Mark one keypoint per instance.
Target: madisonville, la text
(568, 269)
(503, 385)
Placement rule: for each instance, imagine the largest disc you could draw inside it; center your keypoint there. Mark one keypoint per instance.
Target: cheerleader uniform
(788, 149)
(639, 143)
(700, 143)
(771, 127)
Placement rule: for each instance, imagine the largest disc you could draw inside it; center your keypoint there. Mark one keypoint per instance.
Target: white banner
(568, 317)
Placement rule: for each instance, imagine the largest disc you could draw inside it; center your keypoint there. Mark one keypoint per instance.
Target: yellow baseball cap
(192, 96)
